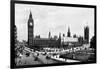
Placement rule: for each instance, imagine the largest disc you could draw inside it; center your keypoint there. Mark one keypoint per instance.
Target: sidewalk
(46, 61)
(64, 60)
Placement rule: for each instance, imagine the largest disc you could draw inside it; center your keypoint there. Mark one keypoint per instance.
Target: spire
(86, 23)
(86, 26)
(49, 34)
(59, 35)
(30, 15)
(68, 33)
(68, 29)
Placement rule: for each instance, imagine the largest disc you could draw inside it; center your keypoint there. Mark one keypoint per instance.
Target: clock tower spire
(30, 30)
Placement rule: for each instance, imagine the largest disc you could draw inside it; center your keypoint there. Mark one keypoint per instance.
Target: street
(30, 60)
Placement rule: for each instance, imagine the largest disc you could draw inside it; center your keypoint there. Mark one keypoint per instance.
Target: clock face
(30, 23)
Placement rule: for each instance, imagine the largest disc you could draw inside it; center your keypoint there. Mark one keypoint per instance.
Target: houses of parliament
(57, 42)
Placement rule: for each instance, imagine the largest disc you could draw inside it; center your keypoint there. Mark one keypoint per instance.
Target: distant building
(69, 40)
(45, 42)
(30, 31)
(86, 34)
(55, 42)
(38, 42)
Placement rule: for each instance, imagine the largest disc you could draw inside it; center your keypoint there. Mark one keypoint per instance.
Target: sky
(54, 19)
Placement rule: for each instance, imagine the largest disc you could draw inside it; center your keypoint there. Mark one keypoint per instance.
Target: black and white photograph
(52, 34)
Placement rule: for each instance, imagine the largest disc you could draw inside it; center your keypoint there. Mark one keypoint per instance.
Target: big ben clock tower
(30, 31)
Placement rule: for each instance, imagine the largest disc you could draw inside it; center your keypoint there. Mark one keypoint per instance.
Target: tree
(93, 42)
(93, 45)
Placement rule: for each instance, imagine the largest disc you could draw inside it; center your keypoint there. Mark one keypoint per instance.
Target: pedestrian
(37, 54)
(36, 58)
